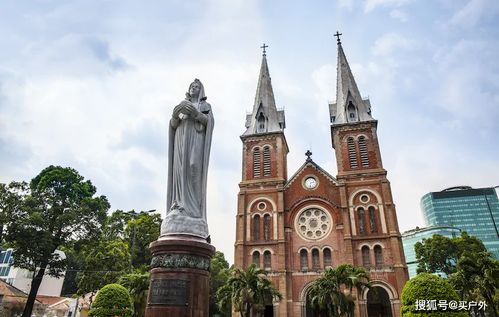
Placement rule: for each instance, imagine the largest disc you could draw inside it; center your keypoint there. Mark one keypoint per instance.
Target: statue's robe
(188, 157)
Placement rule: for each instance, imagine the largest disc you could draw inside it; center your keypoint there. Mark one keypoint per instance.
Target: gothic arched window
(327, 258)
(267, 260)
(315, 259)
(372, 219)
(256, 163)
(266, 227)
(304, 260)
(362, 223)
(260, 123)
(256, 258)
(352, 155)
(364, 157)
(366, 259)
(266, 161)
(256, 227)
(378, 255)
(352, 115)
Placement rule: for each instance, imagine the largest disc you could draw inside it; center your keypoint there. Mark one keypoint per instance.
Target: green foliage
(427, 286)
(138, 285)
(326, 292)
(219, 275)
(10, 199)
(471, 270)
(141, 230)
(441, 254)
(112, 300)
(56, 209)
(104, 264)
(114, 226)
(477, 278)
(247, 290)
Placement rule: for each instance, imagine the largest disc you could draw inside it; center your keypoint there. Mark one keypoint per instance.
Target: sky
(92, 84)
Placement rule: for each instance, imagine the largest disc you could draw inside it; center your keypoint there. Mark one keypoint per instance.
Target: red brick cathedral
(296, 227)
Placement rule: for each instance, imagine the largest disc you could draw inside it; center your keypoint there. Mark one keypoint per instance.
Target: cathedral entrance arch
(308, 310)
(378, 302)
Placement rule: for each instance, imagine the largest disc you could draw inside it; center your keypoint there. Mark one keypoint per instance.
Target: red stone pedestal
(179, 277)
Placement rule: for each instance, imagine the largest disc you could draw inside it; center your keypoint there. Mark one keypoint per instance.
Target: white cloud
(94, 89)
(347, 4)
(399, 15)
(475, 11)
(391, 42)
(372, 4)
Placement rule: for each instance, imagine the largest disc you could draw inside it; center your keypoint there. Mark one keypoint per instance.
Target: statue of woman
(191, 128)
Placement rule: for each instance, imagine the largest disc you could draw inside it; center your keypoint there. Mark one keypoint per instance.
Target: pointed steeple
(265, 117)
(349, 106)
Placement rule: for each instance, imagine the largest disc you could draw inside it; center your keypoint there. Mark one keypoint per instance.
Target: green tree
(248, 291)
(104, 264)
(477, 278)
(10, 199)
(56, 209)
(113, 229)
(427, 286)
(111, 301)
(326, 292)
(75, 262)
(141, 230)
(471, 270)
(441, 254)
(115, 224)
(436, 254)
(138, 285)
(219, 275)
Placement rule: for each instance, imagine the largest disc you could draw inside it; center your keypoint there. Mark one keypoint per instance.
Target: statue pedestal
(179, 277)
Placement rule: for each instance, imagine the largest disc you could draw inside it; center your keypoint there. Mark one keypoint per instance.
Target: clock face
(310, 182)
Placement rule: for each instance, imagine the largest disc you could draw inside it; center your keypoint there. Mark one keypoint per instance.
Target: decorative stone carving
(313, 224)
(181, 261)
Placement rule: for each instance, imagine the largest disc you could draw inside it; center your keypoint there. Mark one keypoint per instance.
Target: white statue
(191, 128)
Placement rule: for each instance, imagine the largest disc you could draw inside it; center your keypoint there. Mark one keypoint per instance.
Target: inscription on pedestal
(169, 292)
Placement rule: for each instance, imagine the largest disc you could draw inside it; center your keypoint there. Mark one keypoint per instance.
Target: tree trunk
(35, 285)
(248, 310)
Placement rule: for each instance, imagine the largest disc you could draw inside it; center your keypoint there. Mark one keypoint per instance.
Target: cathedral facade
(295, 227)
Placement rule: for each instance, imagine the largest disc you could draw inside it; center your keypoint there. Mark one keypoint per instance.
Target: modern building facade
(296, 227)
(474, 210)
(411, 237)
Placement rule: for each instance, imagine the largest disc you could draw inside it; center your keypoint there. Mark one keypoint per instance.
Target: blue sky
(91, 85)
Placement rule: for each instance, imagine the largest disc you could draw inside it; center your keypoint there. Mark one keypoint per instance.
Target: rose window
(313, 223)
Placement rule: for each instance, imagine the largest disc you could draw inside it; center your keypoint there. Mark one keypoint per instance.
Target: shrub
(426, 286)
(112, 300)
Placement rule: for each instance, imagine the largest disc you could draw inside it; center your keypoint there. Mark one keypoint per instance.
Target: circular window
(261, 206)
(364, 198)
(313, 224)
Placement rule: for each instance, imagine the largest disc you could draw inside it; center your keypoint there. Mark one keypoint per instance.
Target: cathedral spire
(265, 117)
(349, 106)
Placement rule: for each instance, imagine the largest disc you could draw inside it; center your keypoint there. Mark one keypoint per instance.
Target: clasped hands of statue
(186, 108)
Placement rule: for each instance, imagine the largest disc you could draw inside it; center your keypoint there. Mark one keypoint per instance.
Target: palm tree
(327, 293)
(138, 285)
(247, 290)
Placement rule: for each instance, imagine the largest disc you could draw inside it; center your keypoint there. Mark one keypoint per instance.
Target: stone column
(179, 277)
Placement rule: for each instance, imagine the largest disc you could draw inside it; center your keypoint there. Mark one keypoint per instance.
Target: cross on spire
(338, 37)
(308, 154)
(264, 47)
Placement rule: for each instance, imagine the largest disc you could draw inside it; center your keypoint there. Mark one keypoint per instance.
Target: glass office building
(474, 210)
(411, 237)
